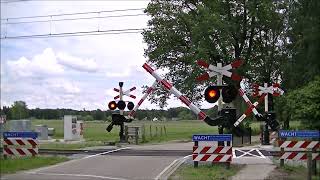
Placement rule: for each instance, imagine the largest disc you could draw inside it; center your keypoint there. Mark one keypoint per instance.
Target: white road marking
(75, 160)
(249, 153)
(182, 160)
(107, 152)
(79, 175)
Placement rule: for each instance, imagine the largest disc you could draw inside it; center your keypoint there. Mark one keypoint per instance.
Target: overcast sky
(72, 72)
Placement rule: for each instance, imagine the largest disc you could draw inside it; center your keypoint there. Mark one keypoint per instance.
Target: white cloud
(123, 72)
(62, 86)
(88, 65)
(41, 64)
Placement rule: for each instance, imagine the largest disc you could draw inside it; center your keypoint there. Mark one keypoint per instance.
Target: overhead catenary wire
(73, 19)
(70, 14)
(81, 33)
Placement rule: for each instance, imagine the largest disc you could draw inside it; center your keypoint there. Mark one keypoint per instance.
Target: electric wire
(70, 14)
(73, 19)
(80, 33)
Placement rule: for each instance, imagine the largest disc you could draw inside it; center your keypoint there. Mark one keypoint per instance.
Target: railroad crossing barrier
(212, 153)
(300, 150)
(15, 144)
(132, 133)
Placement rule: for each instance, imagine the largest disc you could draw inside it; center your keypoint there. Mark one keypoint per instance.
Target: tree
(303, 104)
(304, 43)
(181, 32)
(19, 110)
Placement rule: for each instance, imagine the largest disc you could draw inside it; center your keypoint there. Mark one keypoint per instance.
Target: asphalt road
(138, 162)
(141, 162)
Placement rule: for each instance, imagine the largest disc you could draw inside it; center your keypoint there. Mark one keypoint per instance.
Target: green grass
(203, 172)
(95, 133)
(12, 165)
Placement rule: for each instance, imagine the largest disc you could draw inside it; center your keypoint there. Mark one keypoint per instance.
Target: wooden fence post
(126, 133)
(150, 132)
(143, 135)
(136, 135)
(156, 131)
(160, 131)
(165, 130)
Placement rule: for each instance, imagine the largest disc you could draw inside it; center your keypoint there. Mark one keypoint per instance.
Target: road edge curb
(165, 174)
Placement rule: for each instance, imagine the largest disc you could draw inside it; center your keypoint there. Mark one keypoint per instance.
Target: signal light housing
(130, 105)
(212, 94)
(112, 105)
(229, 93)
(121, 105)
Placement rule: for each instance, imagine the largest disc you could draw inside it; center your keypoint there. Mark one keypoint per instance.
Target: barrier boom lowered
(149, 90)
(168, 86)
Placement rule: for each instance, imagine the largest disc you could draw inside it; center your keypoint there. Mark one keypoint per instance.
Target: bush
(88, 118)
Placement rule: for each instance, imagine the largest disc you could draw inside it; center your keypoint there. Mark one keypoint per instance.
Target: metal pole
(121, 95)
(219, 83)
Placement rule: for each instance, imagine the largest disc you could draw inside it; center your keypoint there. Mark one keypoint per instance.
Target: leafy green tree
(304, 43)
(19, 110)
(303, 104)
(181, 32)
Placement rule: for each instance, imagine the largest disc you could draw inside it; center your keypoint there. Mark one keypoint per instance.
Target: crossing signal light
(229, 93)
(121, 105)
(112, 105)
(130, 105)
(212, 94)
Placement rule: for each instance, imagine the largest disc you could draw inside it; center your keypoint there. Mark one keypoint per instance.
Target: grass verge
(291, 172)
(203, 172)
(12, 165)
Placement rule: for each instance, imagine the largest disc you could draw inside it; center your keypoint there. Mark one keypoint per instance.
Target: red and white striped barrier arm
(212, 157)
(20, 151)
(299, 156)
(299, 144)
(252, 107)
(168, 86)
(212, 150)
(20, 141)
(149, 90)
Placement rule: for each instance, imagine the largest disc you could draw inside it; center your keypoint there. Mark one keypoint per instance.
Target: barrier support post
(309, 164)
(314, 164)
(4, 147)
(195, 163)
(228, 163)
(281, 160)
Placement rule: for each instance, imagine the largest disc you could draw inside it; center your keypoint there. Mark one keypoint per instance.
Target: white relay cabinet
(73, 129)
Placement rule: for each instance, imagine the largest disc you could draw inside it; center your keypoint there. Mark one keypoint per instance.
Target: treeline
(19, 110)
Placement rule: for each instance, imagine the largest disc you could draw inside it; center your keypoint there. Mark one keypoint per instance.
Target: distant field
(95, 131)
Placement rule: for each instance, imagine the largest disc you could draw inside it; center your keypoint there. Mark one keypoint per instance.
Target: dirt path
(254, 172)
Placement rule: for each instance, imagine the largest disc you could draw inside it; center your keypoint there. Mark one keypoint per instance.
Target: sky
(73, 71)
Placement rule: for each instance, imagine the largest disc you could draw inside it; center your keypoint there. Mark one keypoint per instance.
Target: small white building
(155, 119)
